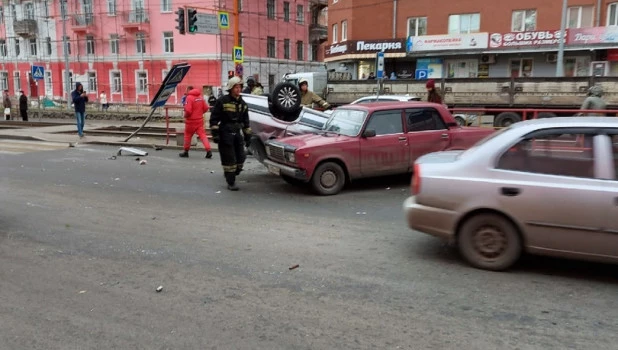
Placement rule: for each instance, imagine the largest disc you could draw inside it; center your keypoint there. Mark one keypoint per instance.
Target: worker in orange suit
(195, 107)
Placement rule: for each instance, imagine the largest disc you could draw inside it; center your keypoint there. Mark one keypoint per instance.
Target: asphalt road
(85, 241)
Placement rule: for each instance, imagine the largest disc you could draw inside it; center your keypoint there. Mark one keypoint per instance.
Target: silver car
(545, 186)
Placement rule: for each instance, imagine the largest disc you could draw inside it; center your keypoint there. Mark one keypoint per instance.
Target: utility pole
(236, 36)
(67, 81)
(560, 61)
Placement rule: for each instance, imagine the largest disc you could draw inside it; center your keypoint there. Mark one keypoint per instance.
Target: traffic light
(192, 20)
(181, 20)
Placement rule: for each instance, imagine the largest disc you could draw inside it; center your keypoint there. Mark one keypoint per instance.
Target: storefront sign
(612, 55)
(595, 35)
(523, 39)
(447, 42)
(366, 47)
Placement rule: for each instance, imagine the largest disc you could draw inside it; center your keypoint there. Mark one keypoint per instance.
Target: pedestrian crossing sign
(38, 72)
(224, 20)
(238, 54)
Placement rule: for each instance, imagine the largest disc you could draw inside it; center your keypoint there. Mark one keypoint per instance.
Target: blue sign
(38, 72)
(238, 54)
(224, 20)
(421, 74)
(171, 81)
(380, 65)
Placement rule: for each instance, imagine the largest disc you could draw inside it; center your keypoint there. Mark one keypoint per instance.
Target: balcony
(82, 23)
(320, 4)
(25, 28)
(318, 33)
(136, 20)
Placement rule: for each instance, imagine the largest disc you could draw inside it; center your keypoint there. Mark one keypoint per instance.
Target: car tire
(292, 181)
(286, 98)
(257, 149)
(460, 121)
(505, 119)
(328, 179)
(489, 242)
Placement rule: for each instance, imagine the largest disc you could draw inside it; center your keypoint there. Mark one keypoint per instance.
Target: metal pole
(597, 22)
(67, 81)
(143, 124)
(560, 63)
(394, 19)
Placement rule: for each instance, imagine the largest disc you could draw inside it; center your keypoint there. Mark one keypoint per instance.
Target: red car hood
(313, 140)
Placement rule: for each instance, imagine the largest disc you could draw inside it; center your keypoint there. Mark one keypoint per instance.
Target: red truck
(368, 140)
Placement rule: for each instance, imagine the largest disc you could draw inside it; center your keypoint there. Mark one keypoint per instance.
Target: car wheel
(328, 179)
(257, 149)
(489, 241)
(505, 119)
(460, 121)
(286, 97)
(293, 181)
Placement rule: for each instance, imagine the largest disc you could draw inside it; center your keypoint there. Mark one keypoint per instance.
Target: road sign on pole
(204, 24)
(238, 54)
(171, 81)
(380, 65)
(37, 72)
(224, 20)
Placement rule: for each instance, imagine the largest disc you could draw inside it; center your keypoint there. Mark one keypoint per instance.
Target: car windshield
(482, 141)
(346, 121)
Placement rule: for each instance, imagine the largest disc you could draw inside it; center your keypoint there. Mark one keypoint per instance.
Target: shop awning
(364, 56)
(508, 51)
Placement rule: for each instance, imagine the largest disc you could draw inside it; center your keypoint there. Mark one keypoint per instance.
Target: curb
(25, 138)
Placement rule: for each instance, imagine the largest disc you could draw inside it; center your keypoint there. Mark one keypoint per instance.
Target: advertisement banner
(594, 35)
(524, 39)
(447, 42)
(428, 68)
(366, 47)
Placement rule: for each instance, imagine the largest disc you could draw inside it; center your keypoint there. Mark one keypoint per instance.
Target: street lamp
(560, 62)
(67, 82)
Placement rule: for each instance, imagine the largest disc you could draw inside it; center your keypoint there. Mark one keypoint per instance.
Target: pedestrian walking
(594, 101)
(195, 107)
(7, 105)
(229, 125)
(103, 101)
(80, 98)
(432, 94)
(23, 106)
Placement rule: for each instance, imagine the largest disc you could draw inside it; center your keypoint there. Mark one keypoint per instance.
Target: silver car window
(314, 120)
(560, 153)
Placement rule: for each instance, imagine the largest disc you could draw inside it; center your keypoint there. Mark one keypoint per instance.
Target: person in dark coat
(432, 94)
(23, 106)
(79, 98)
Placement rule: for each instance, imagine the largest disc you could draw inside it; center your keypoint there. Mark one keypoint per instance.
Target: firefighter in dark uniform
(229, 126)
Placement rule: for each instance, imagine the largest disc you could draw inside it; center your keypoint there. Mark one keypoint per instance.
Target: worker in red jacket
(195, 107)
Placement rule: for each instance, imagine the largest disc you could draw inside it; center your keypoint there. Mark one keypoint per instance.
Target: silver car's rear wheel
(489, 241)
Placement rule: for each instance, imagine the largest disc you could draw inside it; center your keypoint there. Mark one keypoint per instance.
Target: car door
(387, 152)
(550, 183)
(426, 131)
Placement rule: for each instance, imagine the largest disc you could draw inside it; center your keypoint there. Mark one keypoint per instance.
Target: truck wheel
(293, 181)
(489, 241)
(328, 179)
(460, 121)
(543, 115)
(257, 149)
(505, 119)
(286, 97)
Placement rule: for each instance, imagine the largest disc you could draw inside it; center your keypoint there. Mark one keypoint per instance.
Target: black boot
(230, 178)
(208, 154)
(184, 154)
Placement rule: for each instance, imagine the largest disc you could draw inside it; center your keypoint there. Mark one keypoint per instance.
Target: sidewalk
(68, 134)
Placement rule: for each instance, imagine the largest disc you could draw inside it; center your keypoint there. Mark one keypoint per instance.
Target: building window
(1, 15)
(521, 68)
(271, 80)
(90, 45)
(140, 42)
(523, 21)
(16, 82)
(612, 14)
(286, 49)
(166, 5)
(417, 26)
(14, 11)
(168, 42)
(71, 83)
(240, 39)
(28, 10)
(17, 47)
(239, 5)
(142, 82)
(49, 87)
(68, 46)
(4, 81)
(46, 9)
(48, 45)
(314, 52)
(92, 81)
(300, 14)
(111, 7)
(270, 47)
(300, 49)
(270, 9)
(114, 44)
(3, 50)
(464, 24)
(116, 82)
(33, 47)
(344, 30)
(580, 16)
(335, 33)
(286, 11)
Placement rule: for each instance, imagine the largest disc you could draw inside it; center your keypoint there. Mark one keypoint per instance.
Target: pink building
(125, 47)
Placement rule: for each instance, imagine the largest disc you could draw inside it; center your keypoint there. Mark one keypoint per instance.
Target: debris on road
(157, 148)
(132, 151)
(294, 267)
(112, 158)
(143, 162)
(218, 192)
(82, 291)
(72, 144)
(159, 289)
(361, 213)
(138, 159)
